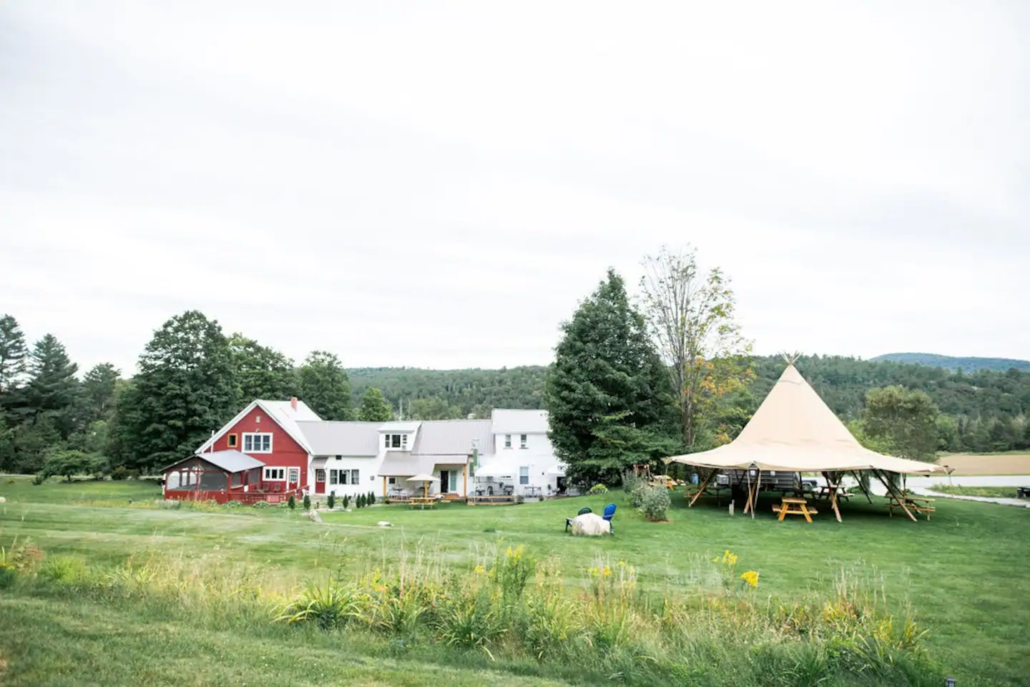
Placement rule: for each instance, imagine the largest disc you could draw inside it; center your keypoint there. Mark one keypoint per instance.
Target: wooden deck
(495, 500)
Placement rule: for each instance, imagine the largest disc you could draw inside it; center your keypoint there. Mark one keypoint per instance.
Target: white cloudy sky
(438, 184)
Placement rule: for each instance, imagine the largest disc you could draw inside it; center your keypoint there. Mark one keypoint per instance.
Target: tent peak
(790, 358)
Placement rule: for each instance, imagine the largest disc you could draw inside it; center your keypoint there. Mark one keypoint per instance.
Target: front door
(445, 484)
(319, 481)
(292, 478)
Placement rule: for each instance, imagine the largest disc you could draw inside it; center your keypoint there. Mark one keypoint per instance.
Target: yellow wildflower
(480, 570)
(751, 577)
(607, 571)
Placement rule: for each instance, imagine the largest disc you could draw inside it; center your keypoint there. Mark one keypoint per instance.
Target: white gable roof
(284, 414)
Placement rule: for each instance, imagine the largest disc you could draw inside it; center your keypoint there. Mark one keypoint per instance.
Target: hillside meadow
(110, 591)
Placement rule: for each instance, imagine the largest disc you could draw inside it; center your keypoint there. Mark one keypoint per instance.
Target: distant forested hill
(951, 363)
(988, 410)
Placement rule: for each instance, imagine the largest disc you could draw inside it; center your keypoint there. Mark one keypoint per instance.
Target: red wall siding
(286, 452)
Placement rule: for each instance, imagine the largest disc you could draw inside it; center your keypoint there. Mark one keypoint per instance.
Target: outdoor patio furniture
(792, 506)
(582, 511)
(609, 513)
(920, 505)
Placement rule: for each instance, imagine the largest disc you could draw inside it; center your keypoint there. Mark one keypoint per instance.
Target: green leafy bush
(120, 473)
(262, 504)
(38, 479)
(654, 502)
(233, 504)
(66, 570)
(331, 500)
(328, 606)
(598, 489)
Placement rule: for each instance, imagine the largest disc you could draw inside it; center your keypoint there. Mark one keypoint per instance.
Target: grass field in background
(992, 492)
(964, 574)
(1008, 463)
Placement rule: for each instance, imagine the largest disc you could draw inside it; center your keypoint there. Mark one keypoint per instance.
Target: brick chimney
(293, 402)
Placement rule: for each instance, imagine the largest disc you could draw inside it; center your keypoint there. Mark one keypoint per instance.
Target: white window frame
(355, 477)
(251, 437)
(523, 475)
(523, 441)
(273, 474)
(290, 472)
(507, 441)
(334, 478)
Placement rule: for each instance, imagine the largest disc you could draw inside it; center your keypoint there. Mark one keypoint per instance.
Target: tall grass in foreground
(582, 624)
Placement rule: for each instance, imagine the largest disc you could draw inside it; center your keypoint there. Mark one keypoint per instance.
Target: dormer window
(397, 441)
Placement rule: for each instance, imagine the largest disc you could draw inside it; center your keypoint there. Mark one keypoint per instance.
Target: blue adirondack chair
(609, 513)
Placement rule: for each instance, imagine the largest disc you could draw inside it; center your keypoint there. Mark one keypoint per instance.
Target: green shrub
(120, 473)
(327, 606)
(598, 489)
(371, 498)
(233, 504)
(66, 570)
(262, 504)
(346, 500)
(330, 500)
(654, 502)
(470, 621)
(38, 479)
(292, 503)
(307, 502)
(631, 481)
(361, 501)
(512, 571)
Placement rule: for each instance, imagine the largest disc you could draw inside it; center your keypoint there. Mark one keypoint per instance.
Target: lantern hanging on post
(752, 471)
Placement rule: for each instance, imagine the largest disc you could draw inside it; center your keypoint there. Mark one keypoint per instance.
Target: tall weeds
(587, 624)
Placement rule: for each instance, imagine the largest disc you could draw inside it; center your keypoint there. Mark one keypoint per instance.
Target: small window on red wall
(233, 441)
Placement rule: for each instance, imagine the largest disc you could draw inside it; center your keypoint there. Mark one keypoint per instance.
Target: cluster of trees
(192, 378)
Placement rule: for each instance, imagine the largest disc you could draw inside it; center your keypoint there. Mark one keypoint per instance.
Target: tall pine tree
(607, 392)
(185, 390)
(52, 390)
(325, 387)
(12, 353)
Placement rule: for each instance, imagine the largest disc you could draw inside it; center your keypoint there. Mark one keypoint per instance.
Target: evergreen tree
(374, 407)
(325, 387)
(52, 389)
(12, 353)
(184, 391)
(261, 372)
(98, 391)
(608, 392)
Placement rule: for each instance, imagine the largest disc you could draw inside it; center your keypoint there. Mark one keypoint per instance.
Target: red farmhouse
(260, 455)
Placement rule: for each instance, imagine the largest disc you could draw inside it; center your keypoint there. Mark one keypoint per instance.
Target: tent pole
(754, 499)
(858, 479)
(832, 488)
(747, 505)
(701, 488)
(894, 492)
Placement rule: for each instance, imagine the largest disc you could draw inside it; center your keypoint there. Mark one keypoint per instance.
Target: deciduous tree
(374, 407)
(906, 419)
(607, 392)
(691, 320)
(184, 391)
(325, 387)
(432, 408)
(261, 372)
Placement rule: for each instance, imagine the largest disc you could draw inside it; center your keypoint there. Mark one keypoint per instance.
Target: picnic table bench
(793, 506)
(824, 492)
(422, 502)
(919, 504)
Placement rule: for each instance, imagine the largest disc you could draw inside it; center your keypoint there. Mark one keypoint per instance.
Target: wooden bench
(921, 505)
(422, 502)
(792, 506)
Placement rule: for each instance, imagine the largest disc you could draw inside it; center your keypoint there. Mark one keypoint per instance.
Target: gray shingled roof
(519, 421)
(328, 438)
(400, 464)
(453, 438)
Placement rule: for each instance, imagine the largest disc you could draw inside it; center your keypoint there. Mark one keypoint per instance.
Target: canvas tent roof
(794, 430)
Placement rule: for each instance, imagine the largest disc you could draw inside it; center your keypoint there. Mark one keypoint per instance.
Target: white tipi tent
(795, 431)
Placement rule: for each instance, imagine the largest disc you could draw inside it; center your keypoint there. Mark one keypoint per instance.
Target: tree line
(635, 377)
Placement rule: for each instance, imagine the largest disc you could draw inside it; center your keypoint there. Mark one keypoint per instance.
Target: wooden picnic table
(422, 502)
(793, 506)
(826, 491)
(920, 504)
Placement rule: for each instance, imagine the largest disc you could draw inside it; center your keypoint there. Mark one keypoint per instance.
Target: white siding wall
(538, 456)
(366, 467)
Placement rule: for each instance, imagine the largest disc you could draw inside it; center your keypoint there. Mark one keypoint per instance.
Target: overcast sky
(439, 184)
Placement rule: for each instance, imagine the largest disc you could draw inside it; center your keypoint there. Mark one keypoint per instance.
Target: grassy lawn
(965, 574)
(993, 492)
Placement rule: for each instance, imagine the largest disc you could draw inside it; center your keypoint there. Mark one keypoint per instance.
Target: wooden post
(833, 489)
(754, 500)
(384, 488)
(858, 479)
(465, 484)
(892, 491)
(701, 487)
